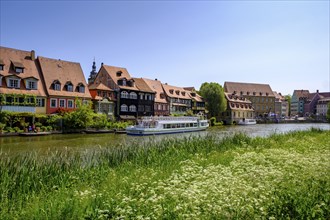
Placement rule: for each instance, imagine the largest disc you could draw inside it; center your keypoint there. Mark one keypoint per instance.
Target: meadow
(283, 176)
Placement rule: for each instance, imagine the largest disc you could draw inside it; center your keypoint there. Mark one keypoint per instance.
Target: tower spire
(93, 73)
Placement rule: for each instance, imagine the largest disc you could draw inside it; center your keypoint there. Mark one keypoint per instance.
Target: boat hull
(145, 132)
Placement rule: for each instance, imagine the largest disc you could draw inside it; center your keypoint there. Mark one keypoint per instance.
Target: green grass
(279, 177)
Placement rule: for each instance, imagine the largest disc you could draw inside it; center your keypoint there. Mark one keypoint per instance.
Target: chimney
(101, 64)
(317, 91)
(33, 55)
(156, 79)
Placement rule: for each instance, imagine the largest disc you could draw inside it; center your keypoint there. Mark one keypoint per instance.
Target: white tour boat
(167, 125)
(249, 121)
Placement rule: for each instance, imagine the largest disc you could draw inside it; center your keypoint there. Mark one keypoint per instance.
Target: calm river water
(83, 142)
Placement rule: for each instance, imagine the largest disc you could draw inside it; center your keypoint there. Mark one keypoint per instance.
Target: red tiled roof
(301, 93)
(238, 102)
(156, 86)
(142, 85)
(22, 59)
(117, 73)
(63, 71)
(252, 89)
(193, 94)
(100, 86)
(175, 92)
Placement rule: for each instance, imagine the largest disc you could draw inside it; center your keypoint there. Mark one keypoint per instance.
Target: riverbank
(282, 176)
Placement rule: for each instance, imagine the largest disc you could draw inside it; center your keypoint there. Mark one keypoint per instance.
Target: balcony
(15, 108)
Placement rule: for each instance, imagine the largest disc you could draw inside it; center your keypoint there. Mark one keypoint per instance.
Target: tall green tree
(214, 95)
(288, 99)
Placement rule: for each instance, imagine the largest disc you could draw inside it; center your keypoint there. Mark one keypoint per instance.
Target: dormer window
(14, 82)
(119, 73)
(18, 67)
(193, 94)
(57, 85)
(254, 93)
(248, 93)
(260, 93)
(18, 70)
(130, 83)
(177, 92)
(241, 92)
(2, 64)
(266, 93)
(122, 82)
(171, 91)
(69, 86)
(31, 83)
(162, 95)
(183, 93)
(81, 88)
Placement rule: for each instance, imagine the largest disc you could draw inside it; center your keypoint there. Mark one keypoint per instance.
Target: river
(82, 142)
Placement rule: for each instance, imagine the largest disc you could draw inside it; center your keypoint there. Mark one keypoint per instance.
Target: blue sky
(183, 43)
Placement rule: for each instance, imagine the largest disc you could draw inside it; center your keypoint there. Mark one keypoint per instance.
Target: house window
(18, 70)
(81, 89)
(31, 84)
(124, 95)
(141, 108)
(141, 96)
(53, 103)
(70, 103)
(69, 88)
(62, 103)
(57, 86)
(14, 83)
(132, 108)
(40, 102)
(124, 108)
(148, 108)
(133, 95)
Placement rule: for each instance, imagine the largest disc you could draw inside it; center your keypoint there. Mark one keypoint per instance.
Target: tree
(288, 99)
(81, 118)
(214, 96)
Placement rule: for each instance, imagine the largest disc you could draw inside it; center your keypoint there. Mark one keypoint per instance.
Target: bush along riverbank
(279, 177)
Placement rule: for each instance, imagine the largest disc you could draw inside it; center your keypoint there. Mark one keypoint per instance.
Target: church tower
(93, 73)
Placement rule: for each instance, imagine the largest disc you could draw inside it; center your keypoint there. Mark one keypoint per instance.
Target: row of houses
(47, 86)
(305, 104)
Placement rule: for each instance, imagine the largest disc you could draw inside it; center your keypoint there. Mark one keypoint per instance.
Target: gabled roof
(301, 93)
(100, 86)
(193, 94)
(63, 71)
(142, 85)
(156, 86)
(238, 102)
(117, 73)
(23, 59)
(175, 92)
(252, 89)
(278, 96)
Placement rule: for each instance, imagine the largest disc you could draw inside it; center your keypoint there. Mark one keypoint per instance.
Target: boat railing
(169, 118)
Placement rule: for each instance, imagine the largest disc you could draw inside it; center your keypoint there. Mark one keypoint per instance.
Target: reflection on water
(82, 142)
